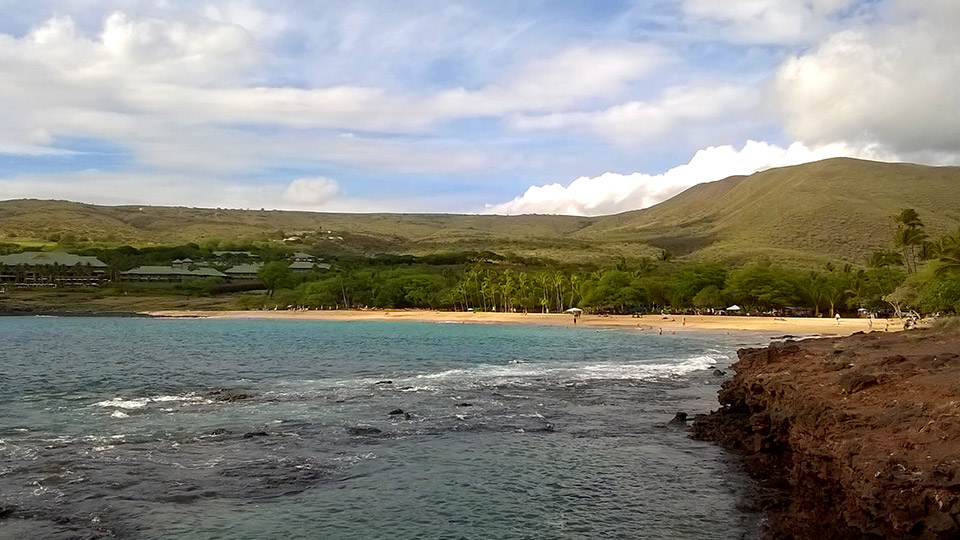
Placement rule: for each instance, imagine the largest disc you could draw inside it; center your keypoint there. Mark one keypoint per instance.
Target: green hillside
(836, 209)
(34, 220)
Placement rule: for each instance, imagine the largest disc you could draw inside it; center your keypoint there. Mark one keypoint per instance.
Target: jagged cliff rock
(860, 435)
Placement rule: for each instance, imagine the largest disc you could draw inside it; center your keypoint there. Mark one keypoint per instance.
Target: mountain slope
(836, 209)
(356, 233)
(832, 210)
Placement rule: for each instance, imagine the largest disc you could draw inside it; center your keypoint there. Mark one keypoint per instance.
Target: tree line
(915, 273)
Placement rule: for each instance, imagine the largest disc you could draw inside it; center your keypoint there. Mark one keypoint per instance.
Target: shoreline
(668, 324)
(848, 437)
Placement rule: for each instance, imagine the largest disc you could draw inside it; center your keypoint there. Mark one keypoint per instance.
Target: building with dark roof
(53, 267)
(303, 267)
(169, 274)
(303, 257)
(243, 271)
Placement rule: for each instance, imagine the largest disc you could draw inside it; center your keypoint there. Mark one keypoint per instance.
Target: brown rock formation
(860, 434)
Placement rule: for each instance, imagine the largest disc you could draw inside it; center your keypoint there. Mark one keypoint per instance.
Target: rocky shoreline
(855, 437)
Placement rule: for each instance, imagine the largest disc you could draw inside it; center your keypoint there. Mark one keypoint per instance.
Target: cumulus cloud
(184, 94)
(611, 192)
(310, 192)
(766, 21)
(676, 109)
(113, 188)
(562, 79)
(892, 83)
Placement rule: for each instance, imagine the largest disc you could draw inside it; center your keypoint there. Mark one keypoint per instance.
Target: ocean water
(143, 428)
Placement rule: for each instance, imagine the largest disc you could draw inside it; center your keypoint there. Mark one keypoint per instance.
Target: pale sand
(648, 323)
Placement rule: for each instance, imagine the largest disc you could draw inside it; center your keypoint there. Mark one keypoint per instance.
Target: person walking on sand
(838, 319)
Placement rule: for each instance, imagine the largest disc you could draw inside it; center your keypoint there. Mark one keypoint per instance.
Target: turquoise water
(141, 428)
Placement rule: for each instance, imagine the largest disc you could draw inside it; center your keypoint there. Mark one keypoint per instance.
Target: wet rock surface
(855, 437)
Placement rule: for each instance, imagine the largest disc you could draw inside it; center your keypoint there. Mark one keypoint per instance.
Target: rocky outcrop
(860, 436)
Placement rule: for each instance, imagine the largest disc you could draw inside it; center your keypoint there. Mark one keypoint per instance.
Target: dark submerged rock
(363, 430)
(219, 431)
(226, 395)
(253, 434)
(396, 412)
(679, 420)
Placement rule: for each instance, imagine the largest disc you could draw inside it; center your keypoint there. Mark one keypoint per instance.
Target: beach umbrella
(574, 310)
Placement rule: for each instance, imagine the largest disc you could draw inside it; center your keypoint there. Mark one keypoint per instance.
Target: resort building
(243, 272)
(303, 267)
(169, 274)
(304, 263)
(235, 256)
(303, 257)
(52, 268)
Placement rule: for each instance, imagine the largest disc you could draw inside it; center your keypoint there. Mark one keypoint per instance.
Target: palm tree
(909, 235)
(523, 286)
(882, 258)
(544, 280)
(813, 289)
(948, 258)
(644, 266)
(559, 279)
(859, 289)
(576, 282)
(507, 288)
(907, 240)
(908, 218)
(948, 261)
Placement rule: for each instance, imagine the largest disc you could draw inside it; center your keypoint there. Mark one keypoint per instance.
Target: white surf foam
(138, 403)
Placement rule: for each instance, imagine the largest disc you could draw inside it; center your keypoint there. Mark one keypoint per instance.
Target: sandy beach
(666, 324)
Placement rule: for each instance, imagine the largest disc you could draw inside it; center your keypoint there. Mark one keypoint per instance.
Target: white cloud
(173, 90)
(113, 188)
(310, 192)
(562, 79)
(766, 21)
(890, 83)
(611, 192)
(677, 109)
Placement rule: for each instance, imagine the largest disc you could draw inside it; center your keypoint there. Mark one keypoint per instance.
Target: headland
(856, 437)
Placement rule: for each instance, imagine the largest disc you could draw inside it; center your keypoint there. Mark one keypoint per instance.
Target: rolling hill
(837, 209)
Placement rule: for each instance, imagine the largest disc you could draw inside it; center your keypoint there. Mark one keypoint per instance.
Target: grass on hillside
(834, 210)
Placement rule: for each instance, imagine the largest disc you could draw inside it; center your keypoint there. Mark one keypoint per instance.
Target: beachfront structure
(247, 254)
(303, 267)
(243, 272)
(303, 257)
(51, 268)
(169, 274)
(304, 263)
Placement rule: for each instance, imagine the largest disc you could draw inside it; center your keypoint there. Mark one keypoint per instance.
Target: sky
(534, 106)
